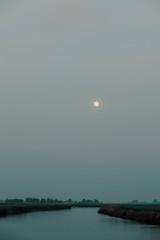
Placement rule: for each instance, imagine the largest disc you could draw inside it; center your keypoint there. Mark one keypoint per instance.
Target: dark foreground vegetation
(13, 209)
(147, 214)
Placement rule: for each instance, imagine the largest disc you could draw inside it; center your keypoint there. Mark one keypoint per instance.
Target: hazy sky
(56, 57)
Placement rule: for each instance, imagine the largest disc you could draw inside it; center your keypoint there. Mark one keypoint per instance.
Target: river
(74, 224)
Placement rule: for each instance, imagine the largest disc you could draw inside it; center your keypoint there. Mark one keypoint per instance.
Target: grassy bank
(8, 209)
(147, 214)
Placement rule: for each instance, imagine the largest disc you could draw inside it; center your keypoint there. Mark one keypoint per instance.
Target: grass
(12, 209)
(147, 213)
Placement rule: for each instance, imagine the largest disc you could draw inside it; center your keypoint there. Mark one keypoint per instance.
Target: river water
(75, 224)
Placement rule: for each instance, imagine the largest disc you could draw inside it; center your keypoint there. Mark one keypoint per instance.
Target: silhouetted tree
(43, 200)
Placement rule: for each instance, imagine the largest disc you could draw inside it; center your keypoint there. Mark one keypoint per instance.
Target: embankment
(146, 214)
(7, 209)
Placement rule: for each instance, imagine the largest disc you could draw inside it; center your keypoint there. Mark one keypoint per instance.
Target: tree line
(29, 200)
(33, 200)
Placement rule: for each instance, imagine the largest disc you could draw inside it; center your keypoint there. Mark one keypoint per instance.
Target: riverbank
(13, 209)
(146, 214)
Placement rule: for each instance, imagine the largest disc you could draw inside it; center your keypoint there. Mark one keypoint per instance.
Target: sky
(57, 57)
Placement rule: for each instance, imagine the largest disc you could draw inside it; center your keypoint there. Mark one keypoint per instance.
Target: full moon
(96, 104)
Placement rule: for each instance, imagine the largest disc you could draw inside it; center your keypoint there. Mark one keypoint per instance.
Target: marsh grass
(7, 209)
(147, 213)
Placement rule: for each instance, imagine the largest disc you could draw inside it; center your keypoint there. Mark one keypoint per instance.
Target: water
(75, 224)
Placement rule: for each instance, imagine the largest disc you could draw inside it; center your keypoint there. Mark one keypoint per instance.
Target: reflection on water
(75, 224)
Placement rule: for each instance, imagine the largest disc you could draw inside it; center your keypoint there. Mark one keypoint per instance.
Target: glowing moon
(96, 104)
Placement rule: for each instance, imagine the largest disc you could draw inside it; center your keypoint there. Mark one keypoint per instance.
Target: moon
(96, 104)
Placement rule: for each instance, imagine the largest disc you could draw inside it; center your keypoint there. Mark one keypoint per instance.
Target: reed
(12, 209)
(146, 214)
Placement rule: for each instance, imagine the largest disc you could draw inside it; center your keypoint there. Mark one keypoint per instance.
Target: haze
(56, 58)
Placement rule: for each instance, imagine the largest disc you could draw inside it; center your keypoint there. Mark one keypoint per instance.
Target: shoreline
(146, 214)
(15, 209)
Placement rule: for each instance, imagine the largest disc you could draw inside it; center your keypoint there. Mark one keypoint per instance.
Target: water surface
(75, 224)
